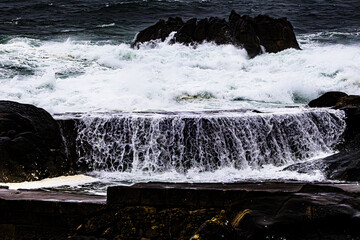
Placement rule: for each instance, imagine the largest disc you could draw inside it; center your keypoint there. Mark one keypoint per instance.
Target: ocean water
(75, 56)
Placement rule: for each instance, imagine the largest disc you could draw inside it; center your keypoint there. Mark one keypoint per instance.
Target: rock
(348, 102)
(275, 34)
(343, 166)
(243, 31)
(329, 99)
(256, 211)
(160, 30)
(216, 228)
(186, 33)
(218, 31)
(351, 135)
(31, 145)
(351, 105)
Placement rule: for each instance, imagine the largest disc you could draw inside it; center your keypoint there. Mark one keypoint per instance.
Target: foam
(73, 76)
(71, 181)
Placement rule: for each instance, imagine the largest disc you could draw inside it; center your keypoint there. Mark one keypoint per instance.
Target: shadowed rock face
(351, 105)
(250, 33)
(344, 166)
(329, 99)
(31, 146)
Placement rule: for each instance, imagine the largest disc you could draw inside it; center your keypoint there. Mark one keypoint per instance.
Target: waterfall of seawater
(157, 142)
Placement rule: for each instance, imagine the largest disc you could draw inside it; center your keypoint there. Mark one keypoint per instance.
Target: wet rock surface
(256, 211)
(328, 99)
(244, 31)
(345, 165)
(31, 145)
(243, 211)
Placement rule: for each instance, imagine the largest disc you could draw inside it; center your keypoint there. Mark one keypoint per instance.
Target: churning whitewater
(82, 76)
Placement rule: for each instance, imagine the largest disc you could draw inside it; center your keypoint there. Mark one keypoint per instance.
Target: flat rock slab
(9, 195)
(212, 194)
(44, 215)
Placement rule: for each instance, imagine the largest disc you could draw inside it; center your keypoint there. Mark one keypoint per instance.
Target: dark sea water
(83, 19)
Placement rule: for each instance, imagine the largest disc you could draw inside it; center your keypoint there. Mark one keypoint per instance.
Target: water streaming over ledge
(207, 141)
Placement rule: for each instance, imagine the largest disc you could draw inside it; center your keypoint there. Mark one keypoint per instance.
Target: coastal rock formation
(31, 145)
(227, 211)
(329, 99)
(244, 31)
(344, 166)
(351, 106)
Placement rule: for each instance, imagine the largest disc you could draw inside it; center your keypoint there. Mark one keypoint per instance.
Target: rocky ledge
(244, 31)
(158, 211)
(345, 165)
(31, 144)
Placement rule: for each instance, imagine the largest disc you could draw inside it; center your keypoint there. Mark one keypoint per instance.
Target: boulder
(31, 145)
(244, 31)
(329, 99)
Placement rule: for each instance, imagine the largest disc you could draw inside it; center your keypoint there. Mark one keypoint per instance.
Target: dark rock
(350, 101)
(351, 106)
(218, 31)
(275, 34)
(243, 31)
(344, 166)
(31, 145)
(200, 32)
(351, 135)
(160, 30)
(215, 229)
(257, 211)
(329, 99)
(186, 33)
(243, 34)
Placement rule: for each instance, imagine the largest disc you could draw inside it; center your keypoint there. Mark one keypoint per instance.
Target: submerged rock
(31, 145)
(250, 33)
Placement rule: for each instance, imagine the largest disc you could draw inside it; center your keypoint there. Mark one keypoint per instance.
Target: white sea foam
(224, 175)
(82, 76)
(106, 25)
(53, 182)
(97, 182)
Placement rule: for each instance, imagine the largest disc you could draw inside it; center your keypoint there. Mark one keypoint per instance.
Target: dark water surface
(119, 20)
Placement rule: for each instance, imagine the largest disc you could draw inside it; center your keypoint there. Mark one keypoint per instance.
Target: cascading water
(206, 141)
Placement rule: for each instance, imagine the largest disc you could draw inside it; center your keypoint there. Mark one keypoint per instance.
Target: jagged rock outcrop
(250, 33)
(31, 145)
